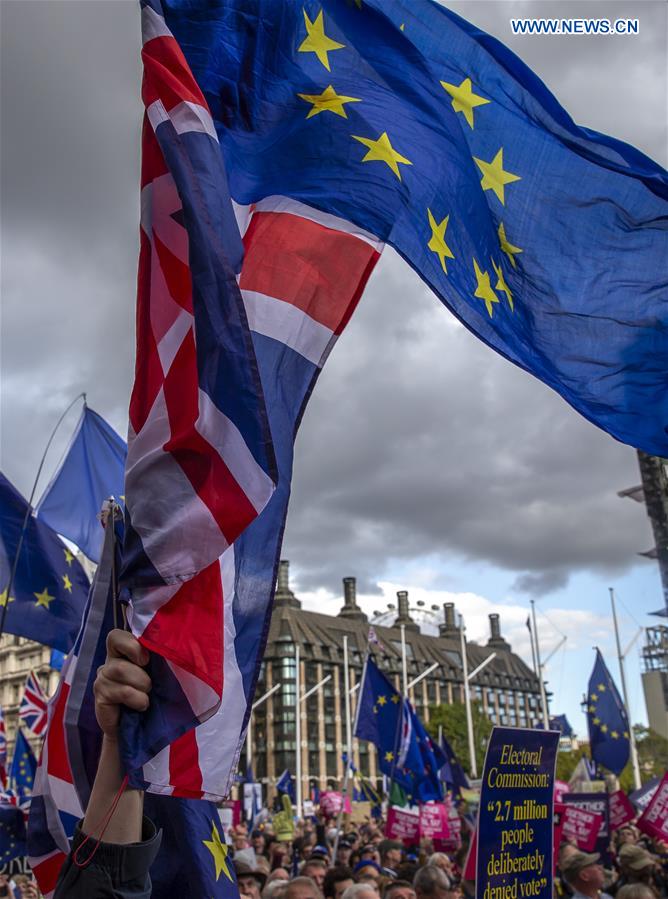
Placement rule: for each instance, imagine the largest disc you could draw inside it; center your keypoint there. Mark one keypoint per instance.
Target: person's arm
(120, 863)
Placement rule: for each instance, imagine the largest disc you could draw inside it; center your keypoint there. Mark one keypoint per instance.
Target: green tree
(452, 718)
(652, 757)
(567, 761)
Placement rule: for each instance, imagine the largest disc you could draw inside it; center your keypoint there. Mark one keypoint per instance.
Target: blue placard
(515, 816)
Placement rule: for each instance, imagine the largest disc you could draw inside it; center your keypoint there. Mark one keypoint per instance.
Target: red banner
(403, 825)
(560, 787)
(621, 810)
(434, 821)
(582, 826)
(654, 820)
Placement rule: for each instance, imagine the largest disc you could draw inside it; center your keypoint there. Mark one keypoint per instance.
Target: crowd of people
(364, 864)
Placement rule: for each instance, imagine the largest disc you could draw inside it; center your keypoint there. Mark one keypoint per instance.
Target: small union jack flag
(32, 711)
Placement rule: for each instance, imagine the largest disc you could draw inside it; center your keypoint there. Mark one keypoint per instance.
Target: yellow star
(44, 598)
(596, 720)
(626, 735)
(327, 101)
(218, 850)
(494, 176)
(484, 289)
(382, 700)
(395, 698)
(67, 583)
(604, 728)
(614, 734)
(501, 285)
(463, 98)
(316, 41)
(3, 598)
(402, 27)
(69, 558)
(592, 709)
(389, 756)
(593, 697)
(510, 250)
(381, 150)
(601, 688)
(437, 243)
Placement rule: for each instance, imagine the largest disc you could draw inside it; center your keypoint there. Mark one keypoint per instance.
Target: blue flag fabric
(93, 470)
(406, 753)
(285, 784)
(562, 724)
(50, 588)
(452, 774)
(56, 660)
(546, 239)
(607, 720)
(24, 765)
(12, 833)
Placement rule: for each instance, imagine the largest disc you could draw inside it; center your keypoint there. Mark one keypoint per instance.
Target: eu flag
(406, 753)
(607, 720)
(92, 470)
(285, 784)
(24, 765)
(452, 774)
(546, 239)
(50, 587)
(12, 833)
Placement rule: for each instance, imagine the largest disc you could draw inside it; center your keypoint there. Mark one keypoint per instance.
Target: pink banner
(330, 803)
(434, 821)
(403, 825)
(453, 841)
(582, 826)
(560, 787)
(621, 810)
(654, 820)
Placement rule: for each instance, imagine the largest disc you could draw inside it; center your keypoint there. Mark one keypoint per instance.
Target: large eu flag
(546, 239)
(92, 470)
(406, 753)
(50, 588)
(607, 720)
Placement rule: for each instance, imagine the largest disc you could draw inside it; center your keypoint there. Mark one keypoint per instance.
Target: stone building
(18, 657)
(507, 689)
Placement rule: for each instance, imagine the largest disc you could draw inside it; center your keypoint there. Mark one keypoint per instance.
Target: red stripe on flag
(317, 269)
(153, 163)
(177, 275)
(58, 764)
(202, 464)
(148, 370)
(184, 766)
(196, 609)
(48, 871)
(167, 76)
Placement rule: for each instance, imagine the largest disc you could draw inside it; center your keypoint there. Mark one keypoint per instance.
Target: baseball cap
(635, 857)
(576, 862)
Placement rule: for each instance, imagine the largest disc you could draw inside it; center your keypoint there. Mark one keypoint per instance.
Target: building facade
(655, 678)
(507, 689)
(18, 657)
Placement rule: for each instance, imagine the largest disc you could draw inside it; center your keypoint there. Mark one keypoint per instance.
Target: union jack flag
(225, 367)
(32, 710)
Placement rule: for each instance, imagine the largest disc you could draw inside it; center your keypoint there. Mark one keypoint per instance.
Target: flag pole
(467, 698)
(298, 734)
(620, 655)
(19, 545)
(533, 648)
(543, 695)
(404, 672)
(349, 739)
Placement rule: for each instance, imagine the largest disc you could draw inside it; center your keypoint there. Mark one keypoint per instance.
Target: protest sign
(434, 821)
(654, 820)
(403, 825)
(560, 787)
(361, 812)
(515, 817)
(581, 825)
(641, 798)
(599, 804)
(331, 803)
(453, 841)
(229, 813)
(621, 810)
(252, 800)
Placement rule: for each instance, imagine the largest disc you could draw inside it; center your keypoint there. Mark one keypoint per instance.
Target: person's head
(275, 889)
(636, 891)
(637, 865)
(361, 891)
(315, 868)
(399, 889)
(344, 851)
(582, 871)
(390, 853)
(431, 882)
(337, 880)
(249, 879)
(240, 837)
(442, 861)
(369, 852)
(627, 834)
(258, 841)
(278, 874)
(302, 888)
(367, 872)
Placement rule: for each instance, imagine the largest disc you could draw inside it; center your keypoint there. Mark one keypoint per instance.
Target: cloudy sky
(425, 462)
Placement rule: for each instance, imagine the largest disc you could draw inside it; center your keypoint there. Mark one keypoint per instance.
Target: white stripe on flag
(152, 25)
(284, 322)
(294, 207)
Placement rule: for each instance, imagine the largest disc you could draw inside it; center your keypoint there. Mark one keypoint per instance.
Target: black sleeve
(115, 872)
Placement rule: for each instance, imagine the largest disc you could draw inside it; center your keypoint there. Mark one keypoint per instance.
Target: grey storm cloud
(419, 440)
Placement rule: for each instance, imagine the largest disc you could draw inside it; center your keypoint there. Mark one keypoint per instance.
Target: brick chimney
(350, 608)
(284, 595)
(496, 641)
(403, 616)
(449, 627)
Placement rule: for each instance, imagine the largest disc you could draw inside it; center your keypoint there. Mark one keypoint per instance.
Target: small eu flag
(50, 587)
(607, 720)
(285, 784)
(24, 765)
(12, 833)
(452, 774)
(92, 471)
